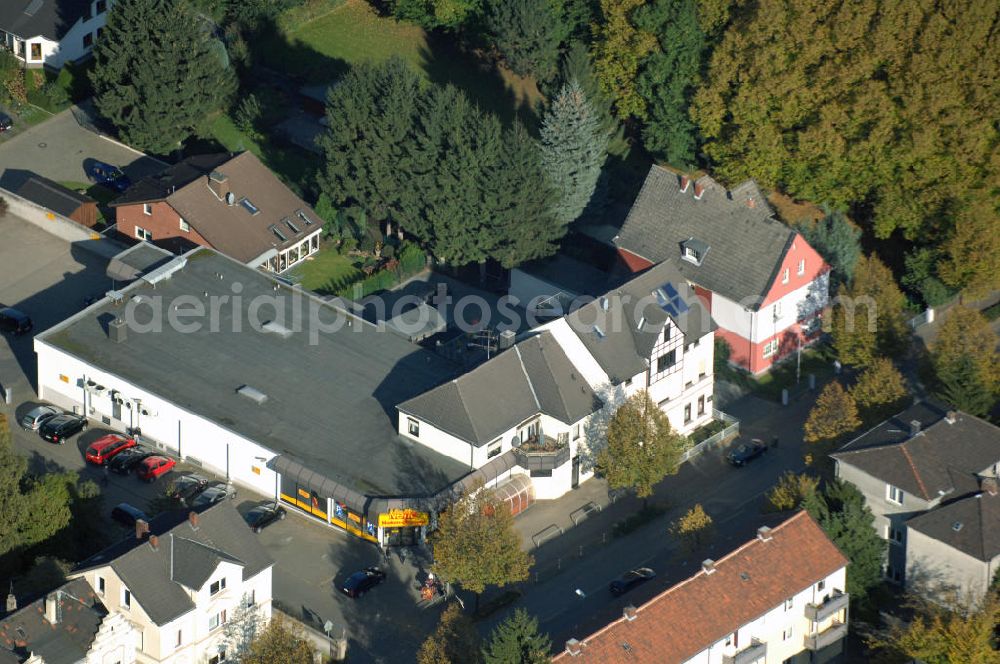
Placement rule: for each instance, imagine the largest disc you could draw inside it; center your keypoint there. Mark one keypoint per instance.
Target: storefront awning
(322, 485)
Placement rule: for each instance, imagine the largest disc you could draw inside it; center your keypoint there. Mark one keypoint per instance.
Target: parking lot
(49, 280)
(58, 147)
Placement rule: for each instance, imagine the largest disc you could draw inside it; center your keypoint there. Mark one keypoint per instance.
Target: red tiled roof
(685, 619)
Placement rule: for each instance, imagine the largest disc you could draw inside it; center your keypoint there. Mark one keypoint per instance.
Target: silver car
(37, 416)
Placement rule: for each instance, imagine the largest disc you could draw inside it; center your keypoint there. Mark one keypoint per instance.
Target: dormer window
(693, 250)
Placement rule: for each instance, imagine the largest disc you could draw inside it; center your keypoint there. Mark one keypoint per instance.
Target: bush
(57, 95)
(637, 520)
(348, 245)
(247, 115)
(3, 207)
(791, 490)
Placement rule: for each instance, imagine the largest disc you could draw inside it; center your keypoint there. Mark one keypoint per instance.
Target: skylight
(670, 300)
(277, 232)
(250, 207)
(302, 215)
(288, 222)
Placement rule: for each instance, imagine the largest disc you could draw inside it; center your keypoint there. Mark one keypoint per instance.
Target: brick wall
(163, 223)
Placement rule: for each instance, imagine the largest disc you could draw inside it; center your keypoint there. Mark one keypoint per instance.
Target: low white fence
(58, 225)
(732, 429)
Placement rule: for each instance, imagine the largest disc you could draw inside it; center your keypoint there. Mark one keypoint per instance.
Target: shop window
(493, 449)
(413, 427)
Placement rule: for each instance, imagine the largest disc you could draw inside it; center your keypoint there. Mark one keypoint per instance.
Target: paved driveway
(57, 148)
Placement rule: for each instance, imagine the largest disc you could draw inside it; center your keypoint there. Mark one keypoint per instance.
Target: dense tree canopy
(874, 103)
(838, 242)
(619, 47)
(454, 641)
(528, 34)
(869, 319)
(517, 641)
(966, 362)
(158, 73)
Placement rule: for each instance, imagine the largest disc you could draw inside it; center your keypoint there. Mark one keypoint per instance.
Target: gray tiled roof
(621, 347)
(67, 641)
(971, 525)
(50, 18)
(940, 460)
(746, 243)
(534, 376)
(155, 576)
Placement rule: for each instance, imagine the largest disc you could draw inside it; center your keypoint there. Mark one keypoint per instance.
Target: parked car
(361, 582)
(264, 515)
(127, 515)
(101, 450)
(126, 461)
(212, 495)
(37, 416)
(744, 453)
(188, 486)
(630, 580)
(6, 122)
(154, 466)
(107, 175)
(14, 322)
(57, 429)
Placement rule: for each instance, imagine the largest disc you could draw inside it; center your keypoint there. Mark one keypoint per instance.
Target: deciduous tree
(965, 359)
(834, 414)
(791, 491)
(694, 528)
(476, 545)
(869, 319)
(841, 512)
(880, 391)
(618, 49)
(455, 641)
(574, 147)
(642, 448)
(158, 73)
(517, 641)
(528, 34)
(281, 642)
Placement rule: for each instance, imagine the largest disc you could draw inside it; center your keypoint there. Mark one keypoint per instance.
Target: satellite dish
(515, 441)
(230, 199)
(328, 626)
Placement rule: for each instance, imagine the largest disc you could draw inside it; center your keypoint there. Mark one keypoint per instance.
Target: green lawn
(321, 50)
(326, 272)
(296, 165)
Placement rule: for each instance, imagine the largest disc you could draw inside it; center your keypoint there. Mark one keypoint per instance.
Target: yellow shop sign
(403, 518)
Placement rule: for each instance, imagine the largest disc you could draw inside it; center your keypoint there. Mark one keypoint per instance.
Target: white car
(37, 416)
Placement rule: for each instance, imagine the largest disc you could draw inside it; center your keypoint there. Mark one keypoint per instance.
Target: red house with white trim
(764, 285)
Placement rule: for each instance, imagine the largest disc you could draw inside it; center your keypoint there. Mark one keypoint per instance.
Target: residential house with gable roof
(51, 32)
(540, 401)
(180, 579)
(762, 282)
(70, 625)
(230, 202)
(780, 597)
(922, 473)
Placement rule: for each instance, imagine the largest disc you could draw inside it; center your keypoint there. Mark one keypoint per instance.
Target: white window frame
(184, 226)
(894, 494)
(413, 427)
(493, 449)
(802, 266)
(101, 587)
(770, 348)
(785, 275)
(217, 620)
(142, 234)
(789, 603)
(219, 585)
(147, 209)
(126, 599)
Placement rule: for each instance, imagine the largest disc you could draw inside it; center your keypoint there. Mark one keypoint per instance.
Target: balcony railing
(542, 453)
(756, 651)
(827, 637)
(820, 612)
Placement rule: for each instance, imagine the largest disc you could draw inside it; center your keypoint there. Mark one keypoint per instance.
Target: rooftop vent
(630, 613)
(573, 647)
(957, 526)
(193, 520)
(764, 534)
(154, 542)
(230, 199)
(274, 327)
(951, 417)
(116, 296)
(914, 427)
(118, 330)
(745, 576)
(252, 393)
(708, 566)
(52, 608)
(219, 184)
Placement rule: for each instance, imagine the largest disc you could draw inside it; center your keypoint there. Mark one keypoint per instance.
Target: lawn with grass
(817, 361)
(320, 50)
(325, 272)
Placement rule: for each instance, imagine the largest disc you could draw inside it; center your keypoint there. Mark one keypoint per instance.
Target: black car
(127, 515)
(361, 582)
(124, 462)
(14, 322)
(216, 492)
(57, 429)
(264, 515)
(746, 452)
(630, 580)
(187, 486)
(6, 122)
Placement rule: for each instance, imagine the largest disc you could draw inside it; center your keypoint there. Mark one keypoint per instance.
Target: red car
(101, 450)
(154, 466)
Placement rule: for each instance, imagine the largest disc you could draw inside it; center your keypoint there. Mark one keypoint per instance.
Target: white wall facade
(71, 48)
(732, 316)
(944, 573)
(783, 628)
(179, 432)
(786, 311)
(114, 642)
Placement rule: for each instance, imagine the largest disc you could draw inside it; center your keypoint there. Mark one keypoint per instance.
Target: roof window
(250, 207)
(293, 227)
(306, 220)
(277, 232)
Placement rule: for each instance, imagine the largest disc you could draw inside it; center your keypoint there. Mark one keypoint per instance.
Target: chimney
(219, 184)
(989, 485)
(193, 520)
(685, 182)
(764, 534)
(950, 417)
(708, 566)
(914, 427)
(699, 191)
(154, 542)
(11, 600)
(751, 202)
(141, 529)
(52, 608)
(117, 330)
(629, 613)
(573, 647)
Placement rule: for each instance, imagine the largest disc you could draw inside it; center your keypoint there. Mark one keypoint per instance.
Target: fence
(60, 226)
(732, 429)
(922, 319)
